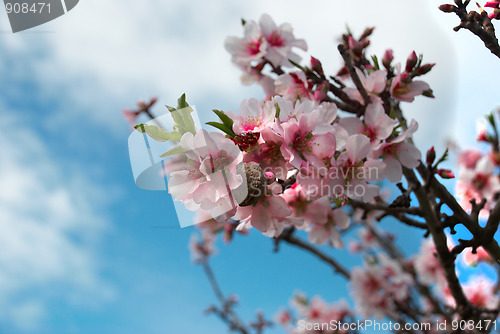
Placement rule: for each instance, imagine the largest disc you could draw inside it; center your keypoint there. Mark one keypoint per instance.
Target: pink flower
(376, 286)
(270, 214)
(297, 199)
(474, 259)
(374, 84)
(477, 183)
(293, 86)
(130, 116)
(268, 154)
(208, 176)
(396, 153)
(280, 40)
(325, 222)
(253, 116)
(377, 125)
(427, 265)
(403, 88)
(249, 48)
(353, 169)
(469, 158)
(264, 41)
(481, 292)
(316, 312)
(308, 140)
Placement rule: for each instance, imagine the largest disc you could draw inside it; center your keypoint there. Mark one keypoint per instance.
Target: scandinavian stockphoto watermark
(26, 14)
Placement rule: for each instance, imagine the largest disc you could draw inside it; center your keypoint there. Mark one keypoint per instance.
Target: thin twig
(288, 237)
(353, 74)
(235, 322)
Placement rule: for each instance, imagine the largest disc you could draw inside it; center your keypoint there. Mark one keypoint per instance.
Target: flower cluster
(378, 285)
(312, 155)
(478, 177)
(316, 316)
(298, 135)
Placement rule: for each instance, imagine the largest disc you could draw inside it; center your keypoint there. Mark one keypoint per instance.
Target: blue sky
(80, 250)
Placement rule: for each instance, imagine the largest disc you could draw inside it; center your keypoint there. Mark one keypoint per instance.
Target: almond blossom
(374, 84)
(264, 41)
(280, 40)
(377, 125)
(404, 88)
(397, 152)
(352, 171)
(294, 86)
(477, 182)
(427, 265)
(376, 286)
(325, 222)
(208, 175)
(253, 116)
(473, 260)
(270, 215)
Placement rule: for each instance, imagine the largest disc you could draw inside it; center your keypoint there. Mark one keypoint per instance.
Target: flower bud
(387, 59)
(405, 78)
(428, 93)
(321, 91)
(367, 32)
(447, 8)
(343, 72)
(316, 66)
(431, 156)
(424, 69)
(411, 62)
(492, 4)
(446, 173)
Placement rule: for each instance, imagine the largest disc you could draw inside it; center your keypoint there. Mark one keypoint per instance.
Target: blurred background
(82, 249)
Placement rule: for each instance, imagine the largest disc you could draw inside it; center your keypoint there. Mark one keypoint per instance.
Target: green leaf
(223, 127)
(243, 22)
(224, 118)
(182, 116)
(491, 119)
(443, 158)
(157, 133)
(375, 62)
(181, 102)
(173, 151)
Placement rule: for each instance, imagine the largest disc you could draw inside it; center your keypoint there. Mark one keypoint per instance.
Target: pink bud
(424, 69)
(405, 78)
(367, 32)
(316, 66)
(447, 8)
(492, 4)
(446, 173)
(411, 61)
(321, 91)
(270, 177)
(431, 156)
(355, 46)
(343, 72)
(387, 59)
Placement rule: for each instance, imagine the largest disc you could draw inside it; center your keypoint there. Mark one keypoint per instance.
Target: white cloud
(48, 233)
(104, 54)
